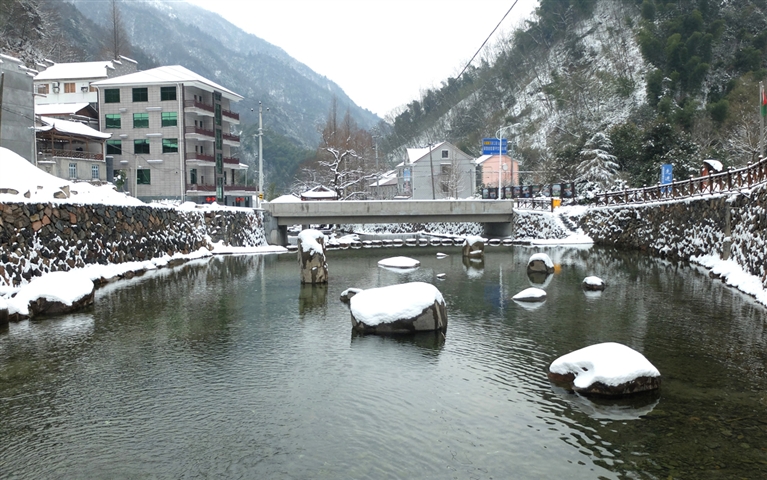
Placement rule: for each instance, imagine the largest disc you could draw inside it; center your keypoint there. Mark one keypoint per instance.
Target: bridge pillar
(496, 230)
(275, 234)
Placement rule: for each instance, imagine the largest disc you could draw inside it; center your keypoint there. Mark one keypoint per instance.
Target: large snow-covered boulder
(531, 294)
(473, 246)
(593, 283)
(605, 369)
(540, 262)
(311, 256)
(404, 308)
(53, 293)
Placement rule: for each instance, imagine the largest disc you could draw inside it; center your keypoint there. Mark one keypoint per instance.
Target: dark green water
(229, 368)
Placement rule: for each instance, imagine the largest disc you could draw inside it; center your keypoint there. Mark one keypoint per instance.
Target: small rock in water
(593, 283)
(530, 295)
(441, 276)
(441, 255)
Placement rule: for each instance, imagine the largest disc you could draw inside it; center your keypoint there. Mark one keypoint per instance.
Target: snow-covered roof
(415, 154)
(71, 128)
(168, 75)
(388, 178)
(716, 165)
(75, 70)
(60, 108)
(484, 158)
(320, 191)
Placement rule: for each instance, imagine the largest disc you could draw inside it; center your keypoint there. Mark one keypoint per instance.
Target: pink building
(491, 165)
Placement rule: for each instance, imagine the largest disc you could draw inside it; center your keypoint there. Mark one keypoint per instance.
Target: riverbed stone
(473, 247)
(311, 256)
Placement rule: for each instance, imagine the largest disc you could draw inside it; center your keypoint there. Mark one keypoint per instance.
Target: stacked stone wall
(41, 238)
(733, 226)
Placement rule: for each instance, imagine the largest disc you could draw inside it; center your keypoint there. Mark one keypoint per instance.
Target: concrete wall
(40, 238)
(17, 133)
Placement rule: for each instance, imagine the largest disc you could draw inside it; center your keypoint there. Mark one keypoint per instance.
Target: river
(229, 368)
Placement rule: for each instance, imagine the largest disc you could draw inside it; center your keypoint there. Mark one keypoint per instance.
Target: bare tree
(118, 43)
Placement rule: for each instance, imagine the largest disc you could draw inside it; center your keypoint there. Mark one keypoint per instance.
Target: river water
(229, 368)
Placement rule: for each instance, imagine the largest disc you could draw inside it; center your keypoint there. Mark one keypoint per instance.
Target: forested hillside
(605, 91)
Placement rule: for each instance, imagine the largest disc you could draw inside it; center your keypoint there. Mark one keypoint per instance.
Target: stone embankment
(39, 238)
(733, 226)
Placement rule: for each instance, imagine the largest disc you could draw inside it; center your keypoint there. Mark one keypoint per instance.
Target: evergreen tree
(598, 165)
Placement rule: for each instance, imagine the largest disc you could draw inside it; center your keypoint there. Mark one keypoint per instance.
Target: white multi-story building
(436, 172)
(71, 82)
(172, 136)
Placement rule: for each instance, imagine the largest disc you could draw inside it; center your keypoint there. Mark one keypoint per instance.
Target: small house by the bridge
(385, 187)
(490, 166)
(436, 172)
(319, 193)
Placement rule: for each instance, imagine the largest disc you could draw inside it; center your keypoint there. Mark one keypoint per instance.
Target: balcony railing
(232, 115)
(199, 131)
(200, 156)
(55, 152)
(227, 188)
(200, 105)
(231, 138)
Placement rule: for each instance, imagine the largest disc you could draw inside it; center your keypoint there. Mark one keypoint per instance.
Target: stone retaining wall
(732, 225)
(40, 238)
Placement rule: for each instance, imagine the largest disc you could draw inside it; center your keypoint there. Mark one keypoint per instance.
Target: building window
(219, 139)
(92, 89)
(114, 147)
(169, 145)
(193, 176)
(141, 146)
(144, 176)
(112, 120)
(169, 119)
(218, 114)
(112, 95)
(140, 120)
(167, 93)
(445, 154)
(141, 94)
(94, 172)
(42, 88)
(72, 170)
(69, 87)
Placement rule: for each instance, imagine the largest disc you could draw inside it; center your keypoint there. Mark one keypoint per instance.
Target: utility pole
(431, 166)
(2, 80)
(762, 116)
(260, 157)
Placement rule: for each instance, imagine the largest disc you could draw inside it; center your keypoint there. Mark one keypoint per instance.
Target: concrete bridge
(495, 215)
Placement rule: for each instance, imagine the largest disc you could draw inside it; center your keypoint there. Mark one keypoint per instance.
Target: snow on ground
(221, 249)
(609, 363)
(732, 274)
(64, 287)
(375, 306)
(399, 262)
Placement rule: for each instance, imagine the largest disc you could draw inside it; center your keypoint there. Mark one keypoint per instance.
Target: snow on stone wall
(749, 232)
(37, 238)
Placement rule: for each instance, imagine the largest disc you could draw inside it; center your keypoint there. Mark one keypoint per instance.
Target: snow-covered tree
(598, 165)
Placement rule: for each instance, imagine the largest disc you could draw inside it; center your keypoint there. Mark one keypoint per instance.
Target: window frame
(73, 171)
(140, 94)
(114, 147)
(143, 176)
(140, 142)
(167, 145)
(95, 172)
(166, 92)
(70, 87)
(111, 95)
(114, 117)
(142, 118)
(163, 120)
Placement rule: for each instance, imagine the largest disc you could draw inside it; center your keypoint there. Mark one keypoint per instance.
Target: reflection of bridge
(495, 215)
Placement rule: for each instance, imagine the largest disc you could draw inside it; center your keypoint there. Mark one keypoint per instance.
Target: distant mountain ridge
(297, 97)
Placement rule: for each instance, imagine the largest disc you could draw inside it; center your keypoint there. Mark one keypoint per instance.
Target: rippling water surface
(229, 368)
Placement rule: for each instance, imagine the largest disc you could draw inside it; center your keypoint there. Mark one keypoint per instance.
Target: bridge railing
(532, 203)
(728, 181)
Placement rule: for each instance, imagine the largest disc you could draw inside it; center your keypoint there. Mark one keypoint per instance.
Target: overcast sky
(382, 53)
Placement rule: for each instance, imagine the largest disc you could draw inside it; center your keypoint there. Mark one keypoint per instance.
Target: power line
(486, 40)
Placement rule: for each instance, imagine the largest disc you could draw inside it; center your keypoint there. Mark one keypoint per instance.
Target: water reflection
(431, 342)
(474, 267)
(631, 407)
(312, 297)
(540, 279)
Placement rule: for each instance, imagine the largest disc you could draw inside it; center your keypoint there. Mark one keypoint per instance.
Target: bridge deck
(391, 211)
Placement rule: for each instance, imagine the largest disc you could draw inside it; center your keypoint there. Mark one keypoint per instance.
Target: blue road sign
(490, 146)
(666, 174)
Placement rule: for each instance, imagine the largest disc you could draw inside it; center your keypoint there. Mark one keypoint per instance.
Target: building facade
(437, 172)
(172, 136)
(58, 83)
(17, 128)
(71, 150)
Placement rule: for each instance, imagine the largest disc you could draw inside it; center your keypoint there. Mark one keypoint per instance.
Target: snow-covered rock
(311, 256)
(403, 308)
(53, 293)
(593, 283)
(605, 369)
(347, 294)
(531, 294)
(441, 255)
(473, 246)
(540, 262)
(399, 262)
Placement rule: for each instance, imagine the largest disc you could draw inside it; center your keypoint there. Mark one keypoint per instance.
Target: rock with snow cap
(399, 262)
(605, 369)
(346, 295)
(52, 294)
(593, 283)
(540, 262)
(531, 294)
(473, 246)
(311, 256)
(404, 308)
